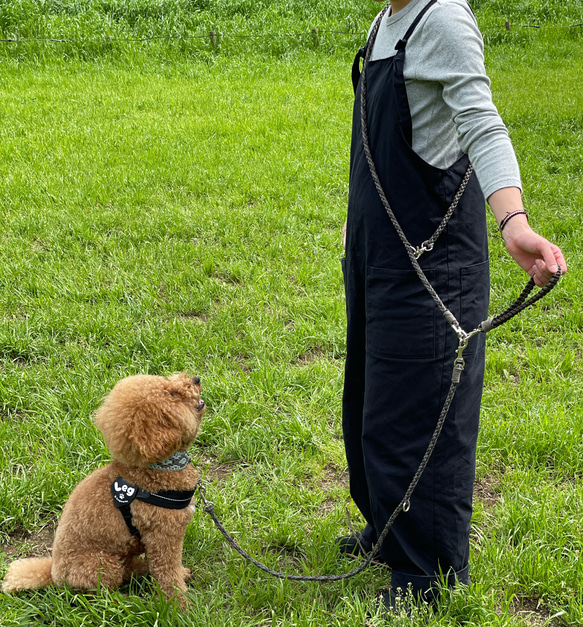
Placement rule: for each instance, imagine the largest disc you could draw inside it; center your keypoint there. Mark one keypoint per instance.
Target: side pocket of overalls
(400, 314)
(475, 297)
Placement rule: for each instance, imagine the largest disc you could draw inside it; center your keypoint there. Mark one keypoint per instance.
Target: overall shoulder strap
(403, 42)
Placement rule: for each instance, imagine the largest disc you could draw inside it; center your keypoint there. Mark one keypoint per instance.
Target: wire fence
(510, 26)
(215, 37)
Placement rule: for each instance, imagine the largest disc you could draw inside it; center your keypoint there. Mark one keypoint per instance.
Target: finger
(543, 268)
(560, 259)
(539, 275)
(548, 254)
(533, 270)
(542, 274)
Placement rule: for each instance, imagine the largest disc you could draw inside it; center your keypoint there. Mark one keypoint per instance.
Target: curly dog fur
(145, 419)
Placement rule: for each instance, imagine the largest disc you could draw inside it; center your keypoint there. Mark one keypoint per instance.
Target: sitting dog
(130, 516)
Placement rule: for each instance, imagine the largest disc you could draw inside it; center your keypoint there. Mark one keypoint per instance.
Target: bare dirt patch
(310, 357)
(36, 544)
(217, 472)
(485, 490)
(330, 479)
(13, 416)
(532, 613)
(193, 315)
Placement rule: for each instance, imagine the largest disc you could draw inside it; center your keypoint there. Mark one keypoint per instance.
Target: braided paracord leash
(209, 508)
(413, 252)
(485, 326)
(521, 303)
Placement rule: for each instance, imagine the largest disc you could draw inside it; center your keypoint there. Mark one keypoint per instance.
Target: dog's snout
(196, 380)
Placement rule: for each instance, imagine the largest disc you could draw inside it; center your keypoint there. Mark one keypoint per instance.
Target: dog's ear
(139, 426)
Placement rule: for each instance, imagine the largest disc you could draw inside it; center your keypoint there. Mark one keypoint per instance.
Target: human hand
(534, 254)
(344, 236)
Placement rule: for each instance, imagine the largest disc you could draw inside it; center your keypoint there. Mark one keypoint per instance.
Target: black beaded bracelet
(505, 220)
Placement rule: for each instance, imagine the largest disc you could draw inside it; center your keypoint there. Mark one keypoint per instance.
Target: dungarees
(400, 349)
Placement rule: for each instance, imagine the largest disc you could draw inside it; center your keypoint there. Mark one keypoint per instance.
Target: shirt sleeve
(454, 57)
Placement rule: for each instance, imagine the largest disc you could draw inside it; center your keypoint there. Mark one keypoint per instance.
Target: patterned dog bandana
(178, 461)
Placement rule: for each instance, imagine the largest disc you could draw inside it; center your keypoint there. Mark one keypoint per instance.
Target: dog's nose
(196, 380)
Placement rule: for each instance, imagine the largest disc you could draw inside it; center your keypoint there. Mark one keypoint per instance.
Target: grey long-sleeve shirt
(448, 91)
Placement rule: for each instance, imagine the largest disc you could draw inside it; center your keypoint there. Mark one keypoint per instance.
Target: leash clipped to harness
(414, 253)
(209, 508)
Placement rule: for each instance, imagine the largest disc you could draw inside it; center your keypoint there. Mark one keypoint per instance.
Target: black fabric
(356, 67)
(126, 512)
(168, 499)
(400, 350)
(124, 493)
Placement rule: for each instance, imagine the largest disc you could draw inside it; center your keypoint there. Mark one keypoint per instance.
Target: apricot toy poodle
(129, 517)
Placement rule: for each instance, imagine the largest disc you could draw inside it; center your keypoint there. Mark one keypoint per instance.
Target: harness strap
(124, 493)
(126, 512)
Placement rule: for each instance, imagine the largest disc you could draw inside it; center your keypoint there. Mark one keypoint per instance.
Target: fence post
(214, 39)
(507, 26)
(315, 37)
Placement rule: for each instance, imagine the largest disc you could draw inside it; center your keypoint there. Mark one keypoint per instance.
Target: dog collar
(178, 461)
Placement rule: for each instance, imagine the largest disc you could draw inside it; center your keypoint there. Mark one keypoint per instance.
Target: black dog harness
(124, 493)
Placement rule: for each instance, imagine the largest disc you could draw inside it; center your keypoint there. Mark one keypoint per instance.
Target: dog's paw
(180, 597)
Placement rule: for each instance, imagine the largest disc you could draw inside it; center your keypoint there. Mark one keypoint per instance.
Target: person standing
(430, 114)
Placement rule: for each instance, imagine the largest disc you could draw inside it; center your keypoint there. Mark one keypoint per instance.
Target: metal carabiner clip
(459, 364)
(426, 247)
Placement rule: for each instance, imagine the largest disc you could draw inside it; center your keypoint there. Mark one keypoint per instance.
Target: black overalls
(400, 349)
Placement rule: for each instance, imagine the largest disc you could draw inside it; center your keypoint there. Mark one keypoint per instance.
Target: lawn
(167, 205)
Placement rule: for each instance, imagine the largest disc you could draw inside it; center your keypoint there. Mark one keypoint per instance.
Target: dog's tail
(28, 574)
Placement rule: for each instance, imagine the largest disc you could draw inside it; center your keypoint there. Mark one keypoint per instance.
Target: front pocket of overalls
(400, 314)
(475, 296)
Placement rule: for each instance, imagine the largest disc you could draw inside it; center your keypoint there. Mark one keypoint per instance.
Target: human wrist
(514, 225)
(505, 202)
(512, 215)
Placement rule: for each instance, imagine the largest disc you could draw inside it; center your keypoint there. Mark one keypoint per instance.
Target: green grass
(170, 207)
(122, 29)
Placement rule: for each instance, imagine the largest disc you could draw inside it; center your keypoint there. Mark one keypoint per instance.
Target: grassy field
(171, 206)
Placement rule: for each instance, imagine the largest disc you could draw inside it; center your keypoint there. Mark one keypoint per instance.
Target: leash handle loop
(520, 304)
